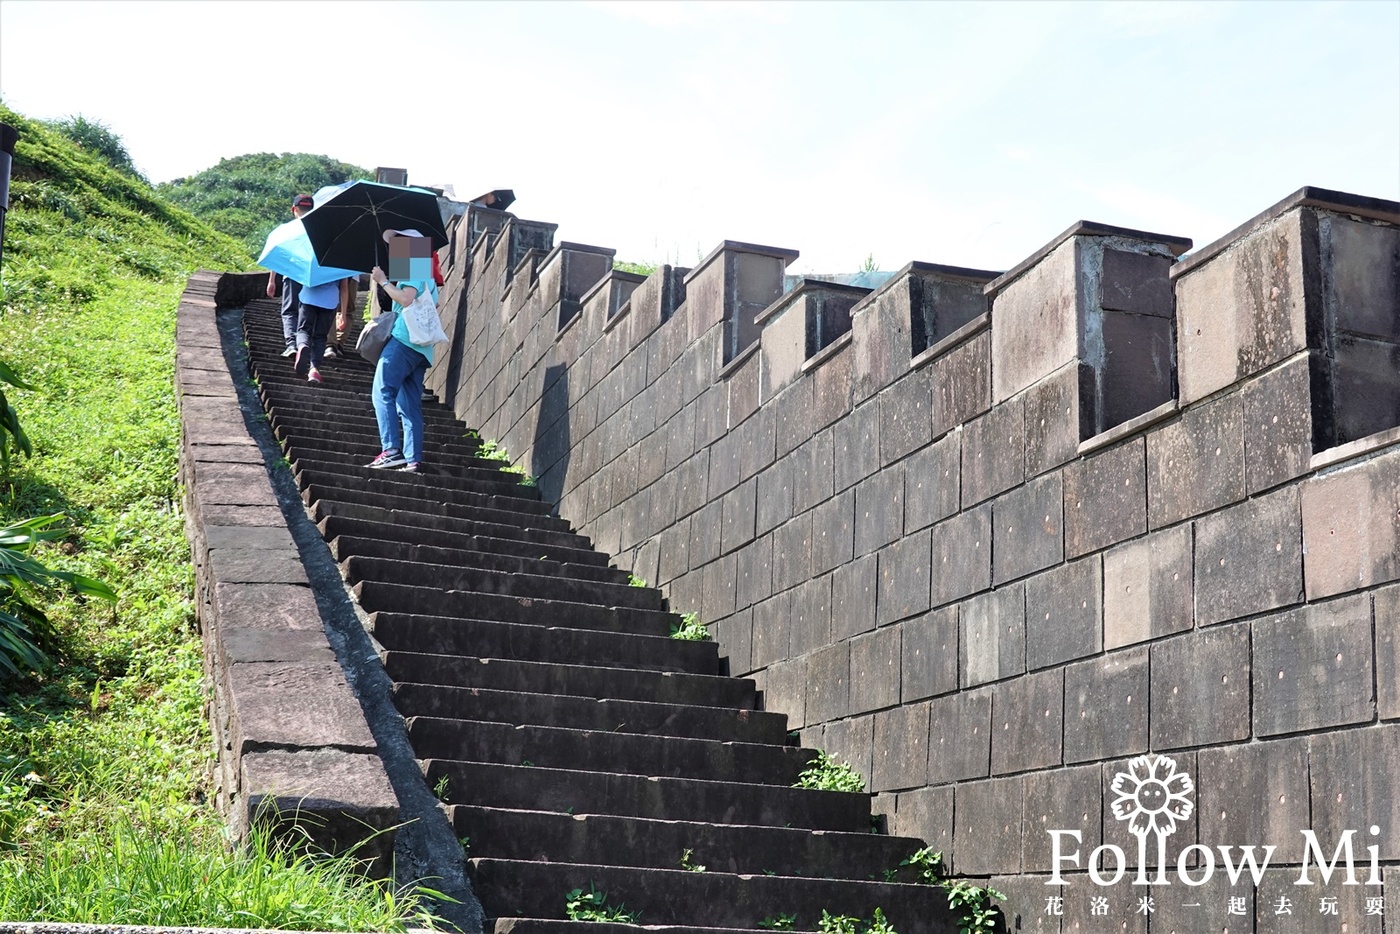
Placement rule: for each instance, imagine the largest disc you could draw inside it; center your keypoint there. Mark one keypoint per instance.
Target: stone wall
(988, 537)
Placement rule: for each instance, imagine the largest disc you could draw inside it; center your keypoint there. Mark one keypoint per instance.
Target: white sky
(960, 133)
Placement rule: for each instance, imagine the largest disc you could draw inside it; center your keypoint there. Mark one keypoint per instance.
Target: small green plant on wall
(826, 773)
(973, 903)
(593, 906)
(846, 924)
(690, 629)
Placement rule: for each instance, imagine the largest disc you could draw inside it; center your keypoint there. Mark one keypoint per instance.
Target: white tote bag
(421, 317)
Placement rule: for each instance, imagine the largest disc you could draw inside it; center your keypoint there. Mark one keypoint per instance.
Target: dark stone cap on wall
(1340, 201)
(930, 269)
(1177, 245)
(739, 246)
(808, 285)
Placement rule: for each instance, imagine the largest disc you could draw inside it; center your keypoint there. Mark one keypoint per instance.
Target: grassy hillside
(246, 196)
(105, 750)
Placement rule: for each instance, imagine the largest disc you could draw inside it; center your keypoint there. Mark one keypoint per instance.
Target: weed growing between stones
(691, 629)
(688, 862)
(593, 906)
(635, 581)
(846, 924)
(780, 922)
(491, 450)
(827, 773)
(972, 902)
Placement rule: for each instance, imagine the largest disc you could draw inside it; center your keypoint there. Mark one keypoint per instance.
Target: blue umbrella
(288, 252)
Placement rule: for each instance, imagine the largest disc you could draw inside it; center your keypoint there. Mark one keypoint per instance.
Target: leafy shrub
(827, 773)
(690, 628)
(593, 906)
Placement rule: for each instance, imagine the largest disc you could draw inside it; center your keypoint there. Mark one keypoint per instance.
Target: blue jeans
(398, 395)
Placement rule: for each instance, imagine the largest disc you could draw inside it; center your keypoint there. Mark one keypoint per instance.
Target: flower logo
(1152, 796)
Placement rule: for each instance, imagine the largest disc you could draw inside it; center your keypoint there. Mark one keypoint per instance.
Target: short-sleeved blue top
(400, 330)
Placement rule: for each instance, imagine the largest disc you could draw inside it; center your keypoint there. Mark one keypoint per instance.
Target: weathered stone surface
(906, 419)
(904, 578)
(287, 705)
(992, 631)
(1028, 529)
(1281, 906)
(1136, 282)
(256, 566)
(1363, 384)
(771, 620)
(1200, 688)
(1106, 706)
(792, 552)
(735, 638)
(831, 389)
(1052, 420)
(960, 736)
(875, 670)
(811, 616)
(1351, 527)
(792, 417)
(928, 663)
(857, 439)
(880, 342)
(1206, 907)
(1244, 309)
(1351, 779)
(1105, 498)
(1060, 799)
(1256, 793)
(833, 532)
(706, 527)
(1313, 668)
(785, 690)
(1136, 373)
(932, 482)
(215, 515)
(1278, 428)
(719, 587)
(298, 646)
(853, 589)
(753, 568)
(1027, 722)
(901, 747)
(265, 606)
(1387, 616)
(987, 826)
(926, 814)
(1196, 463)
(962, 386)
(1064, 613)
(852, 741)
(1361, 278)
(992, 454)
(829, 683)
(879, 509)
(1088, 910)
(1249, 558)
(1147, 588)
(1035, 322)
(774, 496)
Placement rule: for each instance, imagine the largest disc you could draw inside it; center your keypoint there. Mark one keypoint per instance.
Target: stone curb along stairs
(573, 743)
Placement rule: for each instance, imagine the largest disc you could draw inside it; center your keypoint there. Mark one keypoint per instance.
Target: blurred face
(410, 258)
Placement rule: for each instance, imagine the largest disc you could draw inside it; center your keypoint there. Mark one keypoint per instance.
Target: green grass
(105, 751)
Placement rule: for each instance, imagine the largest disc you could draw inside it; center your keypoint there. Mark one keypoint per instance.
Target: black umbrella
(497, 200)
(347, 230)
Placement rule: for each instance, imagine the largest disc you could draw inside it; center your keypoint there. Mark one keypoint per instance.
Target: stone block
(735, 638)
(1027, 909)
(1249, 558)
(928, 662)
(1052, 420)
(753, 567)
(1387, 616)
(1278, 428)
(1351, 527)
(1351, 784)
(774, 496)
(904, 578)
(1196, 464)
(906, 419)
(705, 529)
(1035, 322)
(771, 620)
(993, 458)
(960, 736)
(932, 483)
(961, 555)
(992, 635)
(1028, 528)
(674, 559)
(831, 389)
(1365, 395)
(962, 386)
(1206, 907)
(1106, 498)
(880, 342)
(926, 814)
(1147, 587)
(1313, 667)
(1027, 722)
(833, 532)
(811, 616)
(879, 509)
(829, 683)
(1106, 706)
(792, 417)
(857, 445)
(852, 741)
(987, 826)
(785, 691)
(256, 566)
(275, 704)
(853, 589)
(901, 747)
(1064, 613)
(792, 552)
(1362, 278)
(1245, 308)
(812, 472)
(719, 588)
(1061, 799)
(1256, 793)
(1200, 688)
(875, 670)
(1136, 375)
(1116, 831)
(269, 607)
(1137, 283)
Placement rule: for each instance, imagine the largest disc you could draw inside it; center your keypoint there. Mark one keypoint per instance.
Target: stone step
(584, 713)
(527, 536)
(345, 454)
(593, 751)
(346, 546)
(335, 402)
(377, 596)
(710, 899)
(575, 680)
(302, 422)
(362, 447)
(335, 526)
(432, 502)
(475, 491)
(436, 635)
(449, 577)
(631, 841)
(570, 791)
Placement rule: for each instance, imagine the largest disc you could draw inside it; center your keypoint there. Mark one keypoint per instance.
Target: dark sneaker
(388, 459)
(303, 361)
(314, 376)
(289, 351)
(412, 467)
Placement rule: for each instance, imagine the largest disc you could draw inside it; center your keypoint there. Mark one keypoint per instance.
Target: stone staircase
(574, 743)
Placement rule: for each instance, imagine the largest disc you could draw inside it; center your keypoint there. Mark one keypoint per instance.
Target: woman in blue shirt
(398, 377)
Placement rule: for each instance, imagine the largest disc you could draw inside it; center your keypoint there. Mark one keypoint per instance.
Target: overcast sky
(960, 133)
